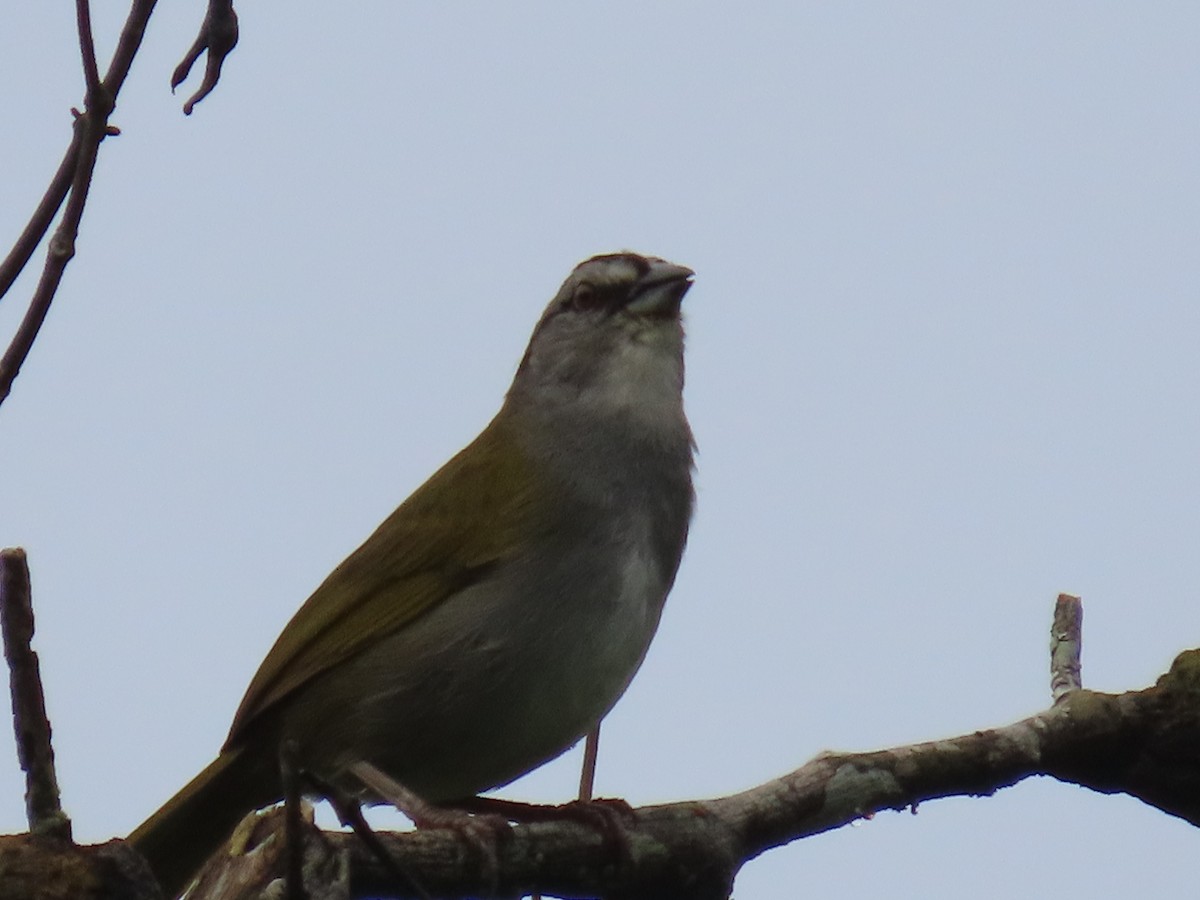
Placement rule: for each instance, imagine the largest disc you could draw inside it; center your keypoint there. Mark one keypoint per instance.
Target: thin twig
(87, 47)
(132, 33)
(91, 127)
(1066, 646)
(30, 723)
(62, 248)
(39, 222)
(218, 35)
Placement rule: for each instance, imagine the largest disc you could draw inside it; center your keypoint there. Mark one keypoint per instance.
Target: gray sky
(942, 365)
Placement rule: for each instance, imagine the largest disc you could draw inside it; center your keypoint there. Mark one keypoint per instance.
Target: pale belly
(497, 680)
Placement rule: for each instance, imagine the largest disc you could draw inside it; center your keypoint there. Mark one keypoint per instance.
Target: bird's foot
(609, 817)
(482, 831)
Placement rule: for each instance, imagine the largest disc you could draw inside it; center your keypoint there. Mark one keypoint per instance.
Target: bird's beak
(659, 292)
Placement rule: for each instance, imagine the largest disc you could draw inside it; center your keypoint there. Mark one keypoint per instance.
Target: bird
(498, 614)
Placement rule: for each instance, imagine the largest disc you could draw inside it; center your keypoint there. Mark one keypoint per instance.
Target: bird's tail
(180, 837)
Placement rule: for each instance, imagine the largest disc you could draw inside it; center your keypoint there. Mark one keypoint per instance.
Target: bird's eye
(585, 296)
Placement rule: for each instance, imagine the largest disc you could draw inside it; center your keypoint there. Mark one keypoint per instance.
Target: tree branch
(30, 723)
(39, 222)
(218, 35)
(1066, 646)
(1143, 743)
(87, 46)
(91, 127)
(132, 33)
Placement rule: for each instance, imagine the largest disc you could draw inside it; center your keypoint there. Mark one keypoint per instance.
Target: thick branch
(1145, 743)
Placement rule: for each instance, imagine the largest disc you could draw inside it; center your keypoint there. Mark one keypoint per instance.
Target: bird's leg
(608, 816)
(349, 813)
(482, 832)
(587, 777)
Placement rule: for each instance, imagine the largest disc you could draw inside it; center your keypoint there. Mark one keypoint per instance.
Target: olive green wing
(466, 518)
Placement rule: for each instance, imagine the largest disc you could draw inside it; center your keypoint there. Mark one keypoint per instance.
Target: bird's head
(610, 342)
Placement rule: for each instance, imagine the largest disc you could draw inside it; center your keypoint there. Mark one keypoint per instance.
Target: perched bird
(498, 614)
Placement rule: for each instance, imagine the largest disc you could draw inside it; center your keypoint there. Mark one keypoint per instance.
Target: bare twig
(218, 35)
(91, 127)
(40, 221)
(1066, 646)
(62, 248)
(30, 723)
(87, 47)
(132, 33)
